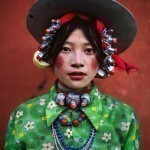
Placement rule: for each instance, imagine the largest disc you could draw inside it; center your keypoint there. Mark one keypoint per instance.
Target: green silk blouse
(115, 124)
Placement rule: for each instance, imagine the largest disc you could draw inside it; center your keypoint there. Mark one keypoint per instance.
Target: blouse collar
(93, 110)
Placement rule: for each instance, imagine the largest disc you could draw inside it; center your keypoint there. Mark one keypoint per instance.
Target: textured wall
(20, 80)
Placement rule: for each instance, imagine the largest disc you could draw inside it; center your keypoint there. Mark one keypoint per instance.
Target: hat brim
(114, 16)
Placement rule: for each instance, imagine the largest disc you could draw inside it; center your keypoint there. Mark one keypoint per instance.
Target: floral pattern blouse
(115, 124)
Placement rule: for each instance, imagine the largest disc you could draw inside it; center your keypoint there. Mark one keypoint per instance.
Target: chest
(38, 135)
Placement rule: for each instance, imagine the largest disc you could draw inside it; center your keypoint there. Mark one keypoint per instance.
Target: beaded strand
(58, 138)
(75, 122)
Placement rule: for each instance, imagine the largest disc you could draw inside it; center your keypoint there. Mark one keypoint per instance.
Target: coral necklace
(75, 122)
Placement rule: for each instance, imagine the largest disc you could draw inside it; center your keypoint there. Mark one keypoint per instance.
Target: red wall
(20, 79)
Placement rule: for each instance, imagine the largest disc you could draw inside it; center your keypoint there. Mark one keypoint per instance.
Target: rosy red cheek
(59, 62)
(94, 64)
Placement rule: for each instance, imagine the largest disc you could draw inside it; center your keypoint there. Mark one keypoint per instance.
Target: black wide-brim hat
(114, 16)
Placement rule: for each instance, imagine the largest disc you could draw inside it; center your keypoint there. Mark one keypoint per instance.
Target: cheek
(94, 64)
(59, 62)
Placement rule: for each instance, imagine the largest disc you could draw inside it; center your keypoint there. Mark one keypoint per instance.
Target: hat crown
(114, 16)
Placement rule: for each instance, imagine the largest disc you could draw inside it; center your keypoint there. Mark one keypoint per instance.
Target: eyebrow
(71, 43)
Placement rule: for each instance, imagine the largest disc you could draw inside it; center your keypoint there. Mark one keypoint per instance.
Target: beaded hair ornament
(111, 62)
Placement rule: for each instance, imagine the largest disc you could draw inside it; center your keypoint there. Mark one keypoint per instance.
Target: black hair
(90, 31)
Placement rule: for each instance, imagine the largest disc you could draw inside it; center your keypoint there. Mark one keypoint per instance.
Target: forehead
(77, 36)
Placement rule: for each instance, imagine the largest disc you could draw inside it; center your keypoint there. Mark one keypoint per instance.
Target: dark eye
(65, 49)
(89, 50)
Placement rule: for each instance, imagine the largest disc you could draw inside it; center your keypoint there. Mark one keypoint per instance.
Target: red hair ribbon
(68, 17)
(122, 65)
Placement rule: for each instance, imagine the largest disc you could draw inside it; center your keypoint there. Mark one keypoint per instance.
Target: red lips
(77, 75)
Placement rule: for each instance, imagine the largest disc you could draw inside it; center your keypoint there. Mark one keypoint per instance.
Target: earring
(40, 64)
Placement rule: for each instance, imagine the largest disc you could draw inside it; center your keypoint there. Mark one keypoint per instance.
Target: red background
(20, 79)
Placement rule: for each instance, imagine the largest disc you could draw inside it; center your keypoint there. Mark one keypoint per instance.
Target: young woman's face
(76, 65)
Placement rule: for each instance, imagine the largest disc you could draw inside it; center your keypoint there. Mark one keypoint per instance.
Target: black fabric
(110, 12)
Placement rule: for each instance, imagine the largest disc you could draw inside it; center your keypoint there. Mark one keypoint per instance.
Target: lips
(77, 75)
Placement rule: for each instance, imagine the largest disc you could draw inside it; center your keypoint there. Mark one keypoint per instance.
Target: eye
(89, 51)
(65, 49)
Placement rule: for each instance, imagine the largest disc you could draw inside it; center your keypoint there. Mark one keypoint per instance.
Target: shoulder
(118, 104)
(32, 107)
(40, 100)
(114, 102)
(115, 107)
(111, 105)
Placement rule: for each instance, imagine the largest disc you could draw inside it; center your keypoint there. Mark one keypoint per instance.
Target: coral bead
(115, 40)
(43, 38)
(64, 122)
(82, 116)
(47, 30)
(53, 21)
(76, 122)
(73, 106)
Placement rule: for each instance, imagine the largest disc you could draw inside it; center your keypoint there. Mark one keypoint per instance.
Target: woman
(74, 115)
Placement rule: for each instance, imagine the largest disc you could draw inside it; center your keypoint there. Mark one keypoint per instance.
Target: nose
(77, 60)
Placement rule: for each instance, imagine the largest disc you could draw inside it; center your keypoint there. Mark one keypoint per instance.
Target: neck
(62, 88)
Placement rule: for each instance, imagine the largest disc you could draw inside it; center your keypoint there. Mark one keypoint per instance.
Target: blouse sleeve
(133, 137)
(10, 142)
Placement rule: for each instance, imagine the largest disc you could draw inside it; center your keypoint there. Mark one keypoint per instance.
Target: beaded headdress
(110, 62)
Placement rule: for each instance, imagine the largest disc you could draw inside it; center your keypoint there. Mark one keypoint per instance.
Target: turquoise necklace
(60, 143)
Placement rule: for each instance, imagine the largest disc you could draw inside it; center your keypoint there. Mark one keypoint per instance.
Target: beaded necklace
(72, 95)
(75, 122)
(60, 143)
(72, 98)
